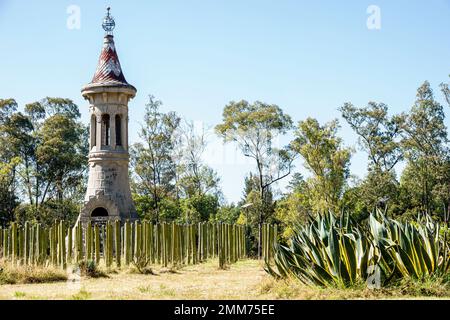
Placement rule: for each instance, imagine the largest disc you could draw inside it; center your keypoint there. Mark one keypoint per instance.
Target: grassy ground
(244, 280)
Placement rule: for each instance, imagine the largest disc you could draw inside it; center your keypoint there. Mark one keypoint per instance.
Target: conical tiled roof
(108, 70)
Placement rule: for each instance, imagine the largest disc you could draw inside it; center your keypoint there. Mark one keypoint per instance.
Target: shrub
(141, 263)
(340, 252)
(89, 268)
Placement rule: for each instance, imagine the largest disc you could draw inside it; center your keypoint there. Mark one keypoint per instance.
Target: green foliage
(294, 207)
(47, 154)
(152, 162)
(199, 208)
(228, 214)
(254, 127)
(378, 134)
(341, 252)
(327, 160)
(424, 139)
(50, 210)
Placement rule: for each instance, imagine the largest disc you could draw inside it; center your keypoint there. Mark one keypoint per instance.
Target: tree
(254, 128)
(51, 144)
(294, 207)
(424, 143)
(194, 177)
(8, 164)
(326, 159)
(378, 135)
(152, 160)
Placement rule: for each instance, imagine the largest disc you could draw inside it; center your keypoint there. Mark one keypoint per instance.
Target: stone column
(125, 141)
(112, 130)
(92, 132)
(123, 124)
(98, 135)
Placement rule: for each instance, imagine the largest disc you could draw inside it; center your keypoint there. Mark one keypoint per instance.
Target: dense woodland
(44, 148)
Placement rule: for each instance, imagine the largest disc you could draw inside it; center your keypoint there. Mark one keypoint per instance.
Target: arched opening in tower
(105, 130)
(99, 212)
(118, 130)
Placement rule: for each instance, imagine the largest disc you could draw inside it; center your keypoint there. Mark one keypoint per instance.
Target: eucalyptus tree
(379, 136)
(254, 127)
(195, 177)
(424, 143)
(8, 163)
(327, 160)
(51, 145)
(152, 159)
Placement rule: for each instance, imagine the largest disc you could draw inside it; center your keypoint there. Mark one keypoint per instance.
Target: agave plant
(327, 251)
(339, 252)
(415, 250)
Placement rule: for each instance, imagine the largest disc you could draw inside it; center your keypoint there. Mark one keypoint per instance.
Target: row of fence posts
(166, 244)
(269, 239)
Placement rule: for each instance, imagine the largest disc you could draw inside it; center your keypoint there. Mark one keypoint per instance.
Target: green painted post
(200, 243)
(156, 231)
(1, 241)
(51, 240)
(46, 245)
(205, 241)
(188, 244)
(213, 240)
(107, 245)
(14, 241)
(75, 244)
(150, 243)
(32, 256)
(62, 230)
(26, 242)
(221, 247)
(194, 243)
(144, 235)
(227, 243)
(122, 241)
(173, 240)
(38, 250)
(137, 239)
(20, 241)
(69, 244)
(97, 243)
(117, 242)
(111, 242)
(76, 241)
(5, 243)
(268, 238)
(88, 242)
(164, 244)
(125, 242)
(56, 243)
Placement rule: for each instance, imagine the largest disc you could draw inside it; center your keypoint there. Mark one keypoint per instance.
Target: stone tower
(108, 195)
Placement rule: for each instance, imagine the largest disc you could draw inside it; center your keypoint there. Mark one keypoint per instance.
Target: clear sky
(309, 57)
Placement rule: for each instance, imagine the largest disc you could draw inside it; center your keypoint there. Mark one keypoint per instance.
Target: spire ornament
(108, 23)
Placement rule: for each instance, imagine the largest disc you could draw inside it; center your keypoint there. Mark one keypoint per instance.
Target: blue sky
(309, 57)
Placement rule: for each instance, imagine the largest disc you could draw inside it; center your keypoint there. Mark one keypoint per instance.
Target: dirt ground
(243, 280)
(205, 281)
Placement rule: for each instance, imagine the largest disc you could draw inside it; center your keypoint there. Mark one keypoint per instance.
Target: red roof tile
(108, 70)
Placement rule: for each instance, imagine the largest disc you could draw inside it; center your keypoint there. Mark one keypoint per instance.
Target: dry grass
(244, 280)
(10, 274)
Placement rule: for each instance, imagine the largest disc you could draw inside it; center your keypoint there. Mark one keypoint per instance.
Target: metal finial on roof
(108, 23)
